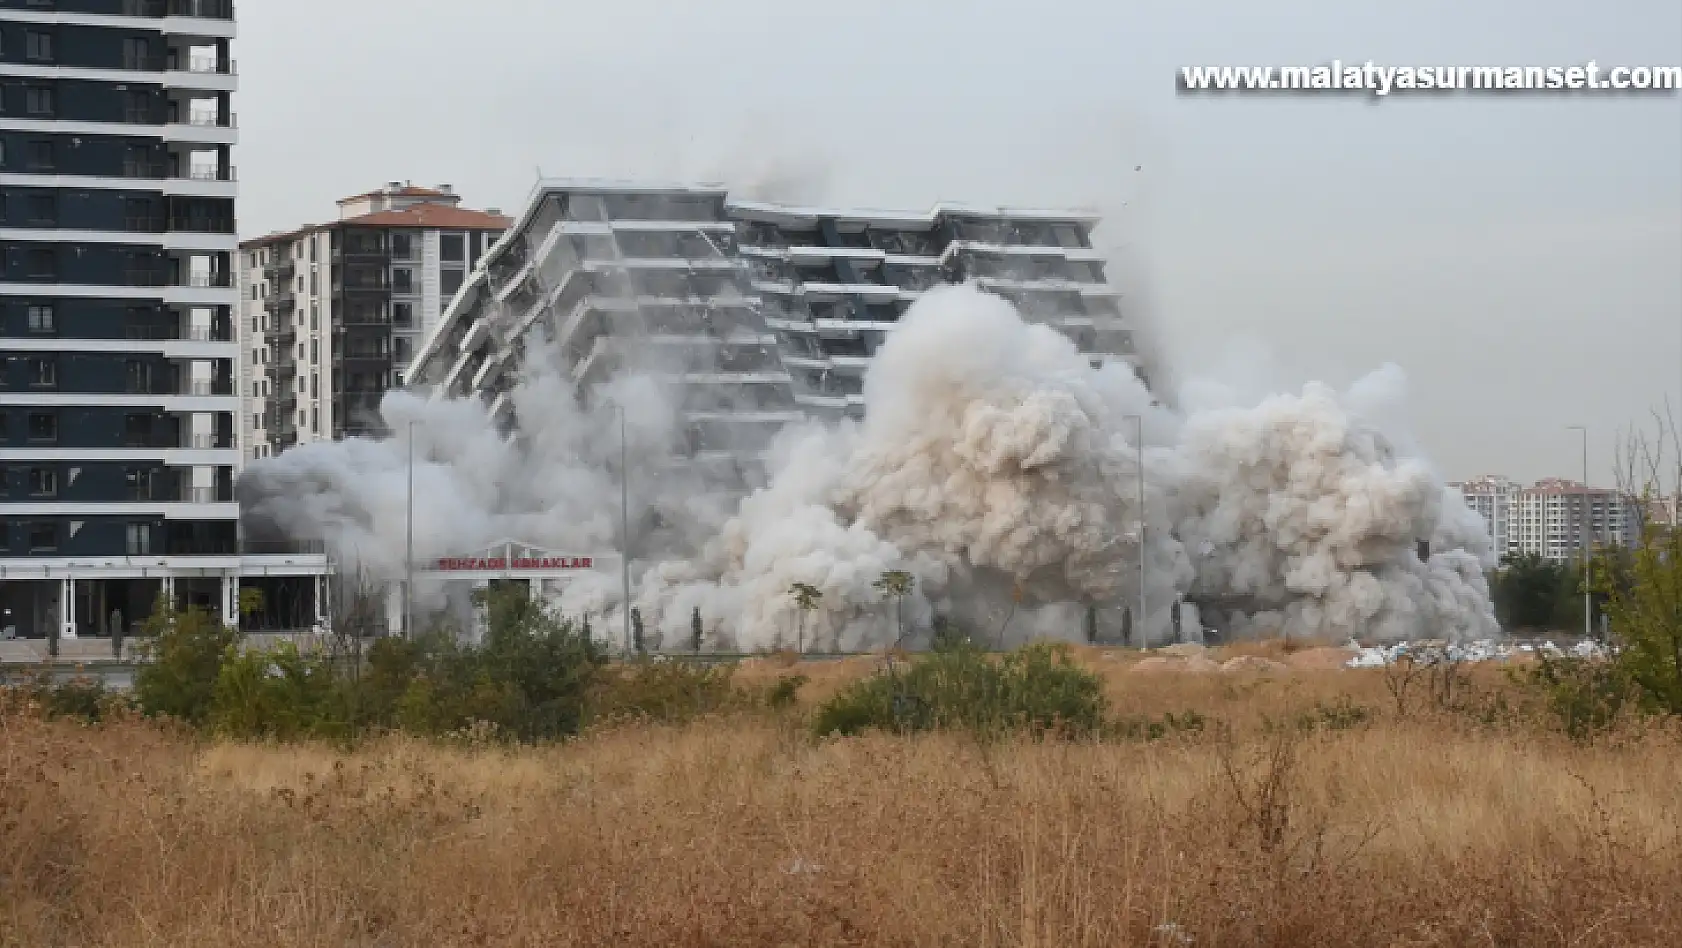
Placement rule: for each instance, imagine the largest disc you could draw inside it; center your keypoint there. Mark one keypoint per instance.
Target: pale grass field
(743, 831)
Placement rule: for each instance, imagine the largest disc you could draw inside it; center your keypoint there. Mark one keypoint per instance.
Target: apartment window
(315, 310)
(315, 419)
(38, 46)
(134, 53)
(137, 430)
(138, 538)
(314, 385)
(403, 314)
(43, 482)
(43, 537)
(38, 100)
(452, 280)
(43, 209)
(315, 285)
(41, 319)
(43, 426)
(402, 280)
(40, 153)
(138, 377)
(400, 247)
(43, 373)
(315, 350)
(42, 264)
(452, 247)
(257, 419)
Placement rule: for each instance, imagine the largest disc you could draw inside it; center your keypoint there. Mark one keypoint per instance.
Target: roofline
(789, 213)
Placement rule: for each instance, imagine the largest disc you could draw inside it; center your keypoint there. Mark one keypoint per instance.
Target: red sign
(494, 563)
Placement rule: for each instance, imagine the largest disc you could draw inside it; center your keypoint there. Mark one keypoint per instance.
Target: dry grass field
(1425, 828)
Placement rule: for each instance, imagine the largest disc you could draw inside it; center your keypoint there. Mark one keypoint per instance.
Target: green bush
(1037, 688)
(1586, 696)
(279, 693)
(83, 698)
(183, 654)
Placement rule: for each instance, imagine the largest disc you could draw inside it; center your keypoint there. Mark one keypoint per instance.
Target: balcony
(211, 65)
(206, 495)
(201, 9)
(204, 387)
(214, 280)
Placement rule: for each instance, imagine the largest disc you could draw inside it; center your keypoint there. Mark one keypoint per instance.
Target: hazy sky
(1519, 257)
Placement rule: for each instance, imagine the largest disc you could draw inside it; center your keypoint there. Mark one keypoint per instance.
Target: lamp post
(1583, 539)
(1139, 626)
(409, 555)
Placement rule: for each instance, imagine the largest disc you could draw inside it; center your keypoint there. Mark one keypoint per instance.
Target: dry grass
(1425, 831)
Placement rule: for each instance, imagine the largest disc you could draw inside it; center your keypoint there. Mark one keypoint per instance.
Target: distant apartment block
(758, 314)
(332, 314)
(1551, 518)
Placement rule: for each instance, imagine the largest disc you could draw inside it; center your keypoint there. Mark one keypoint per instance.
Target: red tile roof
(441, 216)
(407, 191)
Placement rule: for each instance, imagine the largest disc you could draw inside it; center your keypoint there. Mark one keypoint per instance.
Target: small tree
(695, 630)
(896, 584)
(806, 599)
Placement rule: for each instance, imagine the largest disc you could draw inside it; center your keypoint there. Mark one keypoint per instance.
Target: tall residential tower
(117, 344)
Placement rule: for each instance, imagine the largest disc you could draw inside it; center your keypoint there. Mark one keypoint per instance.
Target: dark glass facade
(117, 352)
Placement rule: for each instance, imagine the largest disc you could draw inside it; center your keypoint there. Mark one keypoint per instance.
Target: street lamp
(1139, 626)
(1583, 539)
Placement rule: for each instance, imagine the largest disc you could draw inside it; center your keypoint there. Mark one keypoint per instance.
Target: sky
(1520, 258)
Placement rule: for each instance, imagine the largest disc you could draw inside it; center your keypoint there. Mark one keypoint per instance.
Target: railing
(144, 63)
(273, 547)
(143, 169)
(202, 387)
(205, 442)
(211, 64)
(213, 280)
(204, 334)
(144, 278)
(201, 225)
(212, 174)
(202, 9)
(143, 225)
(200, 495)
(213, 121)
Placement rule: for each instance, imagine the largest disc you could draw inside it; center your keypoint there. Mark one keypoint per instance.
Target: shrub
(280, 693)
(183, 653)
(1586, 696)
(1038, 688)
(83, 698)
(666, 691)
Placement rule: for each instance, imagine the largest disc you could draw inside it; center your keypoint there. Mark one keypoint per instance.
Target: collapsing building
(757, 314)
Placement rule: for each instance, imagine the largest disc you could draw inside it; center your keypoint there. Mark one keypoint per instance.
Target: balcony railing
(211, 280)
(206, 442)
(211, 65)
(205, 334)
(201, 225)
(212, 121)
(202, 9)
(203, 387)
(144, 169)
(212, 174)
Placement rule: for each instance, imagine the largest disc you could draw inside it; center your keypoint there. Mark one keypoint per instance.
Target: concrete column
(230, 600)
(168, 583)
(67, 607)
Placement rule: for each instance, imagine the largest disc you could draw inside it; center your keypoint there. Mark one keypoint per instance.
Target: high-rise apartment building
(117, 336)
(332, 314)
(759, 314)
(1551, 518)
